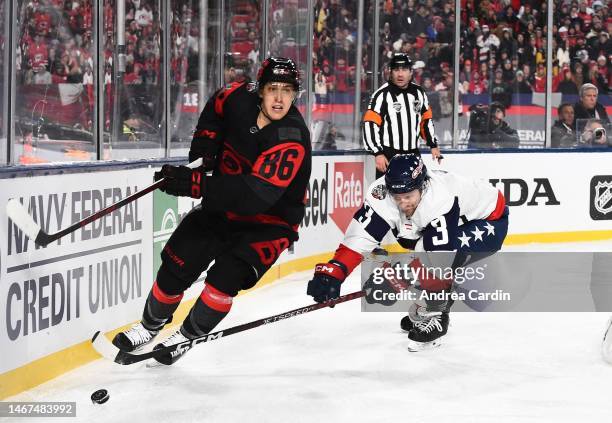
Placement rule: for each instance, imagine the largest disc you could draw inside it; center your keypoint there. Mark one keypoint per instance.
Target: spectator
(601, 46)
(594, 134)
(588, 107)
(509, 17)
(466, 74)
(508, 43)
(530, 56)
(320, 89)
(522, 46)
(567, 86)
(508, 73)
(596, 78)
(331, 138)
(329, 77)
(563, 50)
(578, 74)
(563, 132)
(494, 131)
(445, 94)
(477, 85)
(520, 85)
(580, 52)
(500, 90)
(539, 85)
(484, 72)
(487, 42)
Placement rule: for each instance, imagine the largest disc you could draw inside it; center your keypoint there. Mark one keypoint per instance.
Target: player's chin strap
(265, 114)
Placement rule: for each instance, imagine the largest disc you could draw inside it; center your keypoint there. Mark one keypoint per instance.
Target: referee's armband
(371, 116)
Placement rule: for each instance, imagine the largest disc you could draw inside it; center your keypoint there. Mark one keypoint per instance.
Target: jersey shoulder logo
(418, 104)
(379, 192)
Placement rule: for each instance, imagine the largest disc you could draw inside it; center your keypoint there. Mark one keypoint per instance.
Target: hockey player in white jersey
(426, 210)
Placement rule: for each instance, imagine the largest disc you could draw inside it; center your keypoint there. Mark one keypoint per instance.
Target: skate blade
(414, 346)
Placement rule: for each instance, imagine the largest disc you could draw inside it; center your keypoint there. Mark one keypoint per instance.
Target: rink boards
(54, 298)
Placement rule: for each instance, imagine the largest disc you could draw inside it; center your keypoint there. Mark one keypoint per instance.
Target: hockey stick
(103, 346)
(18, 213)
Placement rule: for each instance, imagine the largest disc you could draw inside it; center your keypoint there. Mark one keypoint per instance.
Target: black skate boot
(171, 357)
(406, 324)
(134, 338)
(427, 333)
(416, 313)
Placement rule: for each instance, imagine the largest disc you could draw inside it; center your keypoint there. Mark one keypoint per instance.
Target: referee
(398, 114)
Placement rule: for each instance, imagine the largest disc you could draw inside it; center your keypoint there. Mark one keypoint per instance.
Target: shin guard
(209, 309)
(159, 308)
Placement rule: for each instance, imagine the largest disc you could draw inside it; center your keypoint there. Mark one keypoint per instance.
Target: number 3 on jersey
(279, 164)
(441, 228)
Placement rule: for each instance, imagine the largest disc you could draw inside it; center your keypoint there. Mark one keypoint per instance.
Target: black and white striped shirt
(396, 118)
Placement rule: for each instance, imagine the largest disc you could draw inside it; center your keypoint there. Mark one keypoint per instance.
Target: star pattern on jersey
(478, 234)
(490, 229)
(465, 240)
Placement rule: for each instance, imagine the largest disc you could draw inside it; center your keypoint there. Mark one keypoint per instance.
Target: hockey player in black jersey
(258, 146)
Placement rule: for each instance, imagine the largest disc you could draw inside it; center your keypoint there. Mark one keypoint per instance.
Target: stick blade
(104, 347)
(20, 217)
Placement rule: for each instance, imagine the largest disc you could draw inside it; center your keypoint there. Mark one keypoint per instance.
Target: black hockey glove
(325, 285)
(181, 181)
(206, 143)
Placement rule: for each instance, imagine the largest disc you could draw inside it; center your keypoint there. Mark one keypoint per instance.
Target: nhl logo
(603, 197)
(379, 192)
(600, 203)
(397, 107)
(417, 170)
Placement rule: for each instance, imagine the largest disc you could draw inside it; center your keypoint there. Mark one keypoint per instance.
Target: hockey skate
(428, 332)
(416, 313)
(134, 338)
(172, 356)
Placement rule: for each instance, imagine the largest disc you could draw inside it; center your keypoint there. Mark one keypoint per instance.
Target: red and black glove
(181, 181)
(206, 143)
(325, 284)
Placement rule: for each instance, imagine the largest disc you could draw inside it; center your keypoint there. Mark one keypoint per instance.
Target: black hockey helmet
(400, 60)
(278, 69)
(405, 173)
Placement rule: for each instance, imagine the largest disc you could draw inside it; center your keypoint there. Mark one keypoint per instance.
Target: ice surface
(344, 365)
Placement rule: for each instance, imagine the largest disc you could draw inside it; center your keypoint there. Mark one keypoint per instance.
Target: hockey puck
(100, 396)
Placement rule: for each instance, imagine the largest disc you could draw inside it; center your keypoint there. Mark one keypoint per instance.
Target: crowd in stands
(55, 42)
(504, 47)
(503, 44)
